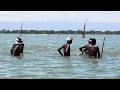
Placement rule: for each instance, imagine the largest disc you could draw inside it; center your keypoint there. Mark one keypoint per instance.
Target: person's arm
(22, 48)
(11, 50)
(15, 49)
(98, 52)
(82, 48)
(59, 50)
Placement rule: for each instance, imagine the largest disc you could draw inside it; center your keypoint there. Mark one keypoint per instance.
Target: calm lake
(41, 59)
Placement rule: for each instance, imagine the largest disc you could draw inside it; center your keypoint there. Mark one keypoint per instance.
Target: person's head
(19, 40)
(90, 40)
(69, 40)
(93, 41)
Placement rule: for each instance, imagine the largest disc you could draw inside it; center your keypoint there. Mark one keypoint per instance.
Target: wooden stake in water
(21, 29)
(103, 46)
(83, 33)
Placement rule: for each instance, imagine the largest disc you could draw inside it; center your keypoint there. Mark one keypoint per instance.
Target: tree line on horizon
(58, 32)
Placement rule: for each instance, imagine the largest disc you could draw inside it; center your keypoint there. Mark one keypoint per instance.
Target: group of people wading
(90, 49)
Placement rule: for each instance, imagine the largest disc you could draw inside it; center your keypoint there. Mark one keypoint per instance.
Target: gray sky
(62, 16)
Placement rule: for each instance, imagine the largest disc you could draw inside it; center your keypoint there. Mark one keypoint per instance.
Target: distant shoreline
(58, 32)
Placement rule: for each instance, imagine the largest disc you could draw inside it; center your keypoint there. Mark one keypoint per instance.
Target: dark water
(41, 59)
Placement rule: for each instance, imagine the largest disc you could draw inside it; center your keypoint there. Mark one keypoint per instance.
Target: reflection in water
(94, 60)
(19, 57)
(67, 57)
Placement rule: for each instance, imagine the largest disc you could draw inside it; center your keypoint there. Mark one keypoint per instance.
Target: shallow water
(41, 59)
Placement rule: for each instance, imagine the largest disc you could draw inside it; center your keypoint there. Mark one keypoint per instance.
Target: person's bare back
(93, 51)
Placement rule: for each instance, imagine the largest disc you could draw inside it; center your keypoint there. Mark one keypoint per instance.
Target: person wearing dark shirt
(17, 47)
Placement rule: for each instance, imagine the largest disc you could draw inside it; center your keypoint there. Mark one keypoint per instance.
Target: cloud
(61, 16)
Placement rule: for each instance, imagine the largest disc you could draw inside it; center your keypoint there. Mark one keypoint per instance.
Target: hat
(90, 39)
(69, 39)
(18, 39)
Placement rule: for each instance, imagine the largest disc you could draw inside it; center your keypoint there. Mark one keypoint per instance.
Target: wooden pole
(21, 29)
(84, 29)
(102, 46)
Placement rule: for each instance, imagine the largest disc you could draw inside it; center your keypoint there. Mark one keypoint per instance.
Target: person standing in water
(93, 50)
(66, 47)
(83, 48)
(17, 47)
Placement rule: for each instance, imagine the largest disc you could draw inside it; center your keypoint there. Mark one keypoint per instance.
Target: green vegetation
(58, 32)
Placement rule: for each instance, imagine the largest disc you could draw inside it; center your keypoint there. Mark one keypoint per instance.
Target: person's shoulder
(14, 44)
(96, 46)
(65, 44)
(22, 44)
(62, 45)
(89, 45)
(84, 46)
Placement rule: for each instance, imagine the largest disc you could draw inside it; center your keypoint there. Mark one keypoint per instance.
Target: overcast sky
(106, 19)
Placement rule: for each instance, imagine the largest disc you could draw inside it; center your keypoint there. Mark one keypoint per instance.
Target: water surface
(41, 59)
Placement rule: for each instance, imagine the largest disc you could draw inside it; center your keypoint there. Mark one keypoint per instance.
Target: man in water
(93, 50)
(83, 48)
(66, 47)
(17, 47)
